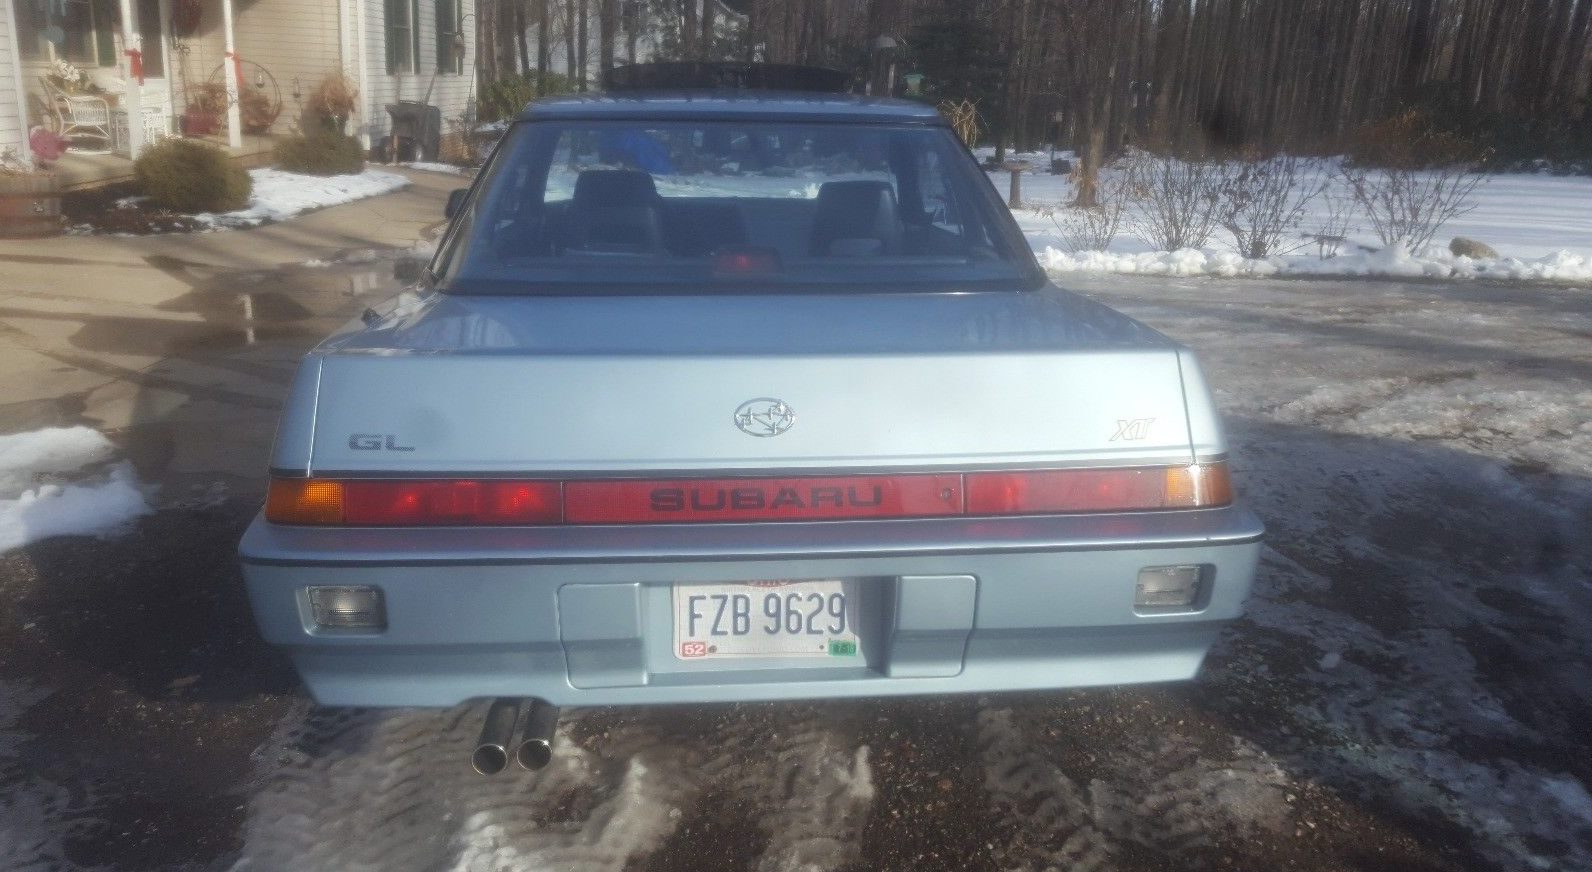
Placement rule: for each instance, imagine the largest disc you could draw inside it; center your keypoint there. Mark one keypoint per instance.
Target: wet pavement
(1409, 691)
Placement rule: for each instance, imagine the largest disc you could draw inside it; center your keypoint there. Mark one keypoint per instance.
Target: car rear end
(1007, 511)
(716, 399)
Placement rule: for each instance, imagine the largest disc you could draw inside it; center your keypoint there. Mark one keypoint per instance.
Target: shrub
(330, 104)
(321, 153)
(1264, 201)
(1176, 202)
(188, 176)
(505, 97)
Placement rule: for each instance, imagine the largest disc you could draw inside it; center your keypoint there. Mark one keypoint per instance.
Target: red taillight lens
(414, 503)
(762, 499)
(486, 502)
(491, 502)
(1098, 490)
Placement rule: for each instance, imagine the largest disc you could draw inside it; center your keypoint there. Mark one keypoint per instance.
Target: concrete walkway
(181, 346)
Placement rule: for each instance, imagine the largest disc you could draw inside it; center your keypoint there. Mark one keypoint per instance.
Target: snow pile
(1395, 261)
(433, 167)
(33, 506)
(280, 195)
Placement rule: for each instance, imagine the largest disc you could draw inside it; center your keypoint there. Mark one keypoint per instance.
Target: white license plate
(767, 619)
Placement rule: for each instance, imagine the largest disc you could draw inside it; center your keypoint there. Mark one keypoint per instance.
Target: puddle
(293, 306)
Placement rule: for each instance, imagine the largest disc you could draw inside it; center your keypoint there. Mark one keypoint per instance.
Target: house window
(79, 31)
(403, 37)
(154, 46)
(450, 37)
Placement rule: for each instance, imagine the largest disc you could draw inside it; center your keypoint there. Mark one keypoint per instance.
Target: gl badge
(764, 416)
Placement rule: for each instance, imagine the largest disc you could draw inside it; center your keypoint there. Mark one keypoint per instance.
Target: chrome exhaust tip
(535, 749)
(492, 749)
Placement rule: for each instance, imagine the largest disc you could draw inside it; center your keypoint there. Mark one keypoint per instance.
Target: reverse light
(1162, 588)
(348, 607)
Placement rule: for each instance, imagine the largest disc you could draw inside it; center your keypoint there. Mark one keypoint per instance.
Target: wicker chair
(79, 115)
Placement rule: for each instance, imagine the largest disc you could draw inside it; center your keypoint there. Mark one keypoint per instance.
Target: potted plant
(206, 104)
(30, 198)
(258, 110)
(331, 102)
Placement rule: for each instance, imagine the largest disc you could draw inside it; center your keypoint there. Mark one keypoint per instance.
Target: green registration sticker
(842, 648)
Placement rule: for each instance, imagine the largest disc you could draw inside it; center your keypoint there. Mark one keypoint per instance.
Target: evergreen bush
(187, 176)
(321, 153)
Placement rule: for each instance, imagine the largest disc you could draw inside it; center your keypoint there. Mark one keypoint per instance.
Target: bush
(188, 176)
(1176, 202)
(1264, 202)
(506, 97)
(322, 153)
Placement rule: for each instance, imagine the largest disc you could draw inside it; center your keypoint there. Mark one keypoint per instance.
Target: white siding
(13, 128)
(291, 39)
(453, 94)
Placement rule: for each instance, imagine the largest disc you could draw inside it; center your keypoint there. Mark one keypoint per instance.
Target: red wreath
(185, 17)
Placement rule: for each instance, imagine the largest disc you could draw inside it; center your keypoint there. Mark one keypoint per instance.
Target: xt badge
(1132, 430)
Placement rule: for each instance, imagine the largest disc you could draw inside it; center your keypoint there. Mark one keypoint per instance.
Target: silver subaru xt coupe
(714, 396)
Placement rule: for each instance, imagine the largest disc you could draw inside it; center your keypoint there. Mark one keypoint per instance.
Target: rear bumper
(582, 616)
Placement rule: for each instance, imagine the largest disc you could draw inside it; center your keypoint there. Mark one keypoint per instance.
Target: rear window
(618, 206)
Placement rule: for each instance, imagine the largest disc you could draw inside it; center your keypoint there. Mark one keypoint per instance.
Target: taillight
(494, 502)
(1050, 491)
(414, 503)
(763, 499)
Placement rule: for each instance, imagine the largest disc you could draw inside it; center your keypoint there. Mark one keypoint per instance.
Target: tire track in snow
(1150, 793)
(358, 790)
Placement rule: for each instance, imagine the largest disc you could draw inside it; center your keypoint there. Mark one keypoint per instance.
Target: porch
(231, 72)
(79, 170)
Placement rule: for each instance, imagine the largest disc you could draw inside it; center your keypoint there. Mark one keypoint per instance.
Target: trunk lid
(632, 385)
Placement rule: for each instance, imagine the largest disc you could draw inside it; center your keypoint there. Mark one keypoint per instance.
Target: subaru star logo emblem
(764, 416)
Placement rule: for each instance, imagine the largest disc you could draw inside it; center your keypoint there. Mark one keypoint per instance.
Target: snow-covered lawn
(1540, 225)
(280, 195)
(59, 482)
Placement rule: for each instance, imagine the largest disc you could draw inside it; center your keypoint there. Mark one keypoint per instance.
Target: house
(235, 71)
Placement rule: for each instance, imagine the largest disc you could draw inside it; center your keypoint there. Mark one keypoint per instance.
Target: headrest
(855, 210)
(614, 188)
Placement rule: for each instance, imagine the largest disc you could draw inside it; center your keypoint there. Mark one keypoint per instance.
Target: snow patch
(434, 167)
(33, 507)
(1394, 262)
(280, 195)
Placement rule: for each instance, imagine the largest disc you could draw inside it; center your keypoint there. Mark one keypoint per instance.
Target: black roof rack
(721, 75)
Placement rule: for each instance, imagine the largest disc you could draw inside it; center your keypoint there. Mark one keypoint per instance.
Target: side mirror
(455, 202)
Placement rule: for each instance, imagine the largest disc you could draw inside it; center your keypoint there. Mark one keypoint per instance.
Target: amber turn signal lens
(1199, 486)
(304, 501)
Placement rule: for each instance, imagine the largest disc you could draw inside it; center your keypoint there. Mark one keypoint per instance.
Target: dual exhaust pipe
(534, 749)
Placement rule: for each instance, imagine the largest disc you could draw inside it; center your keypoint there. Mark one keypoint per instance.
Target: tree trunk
(571, 61)
(582, 42)
(607, 29)
(707, 31)
(544, 35)
(519, 37)
(688, 29)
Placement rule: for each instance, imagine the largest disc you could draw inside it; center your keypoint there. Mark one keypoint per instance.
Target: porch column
(132, 69)
(234, 68)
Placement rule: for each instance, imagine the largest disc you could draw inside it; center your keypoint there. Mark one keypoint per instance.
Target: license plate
(767, 619)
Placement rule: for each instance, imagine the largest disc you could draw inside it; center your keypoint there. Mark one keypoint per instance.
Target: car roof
(737, 105)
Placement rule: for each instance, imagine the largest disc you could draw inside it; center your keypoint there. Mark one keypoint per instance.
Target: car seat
(856, 219)
(615, 210)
